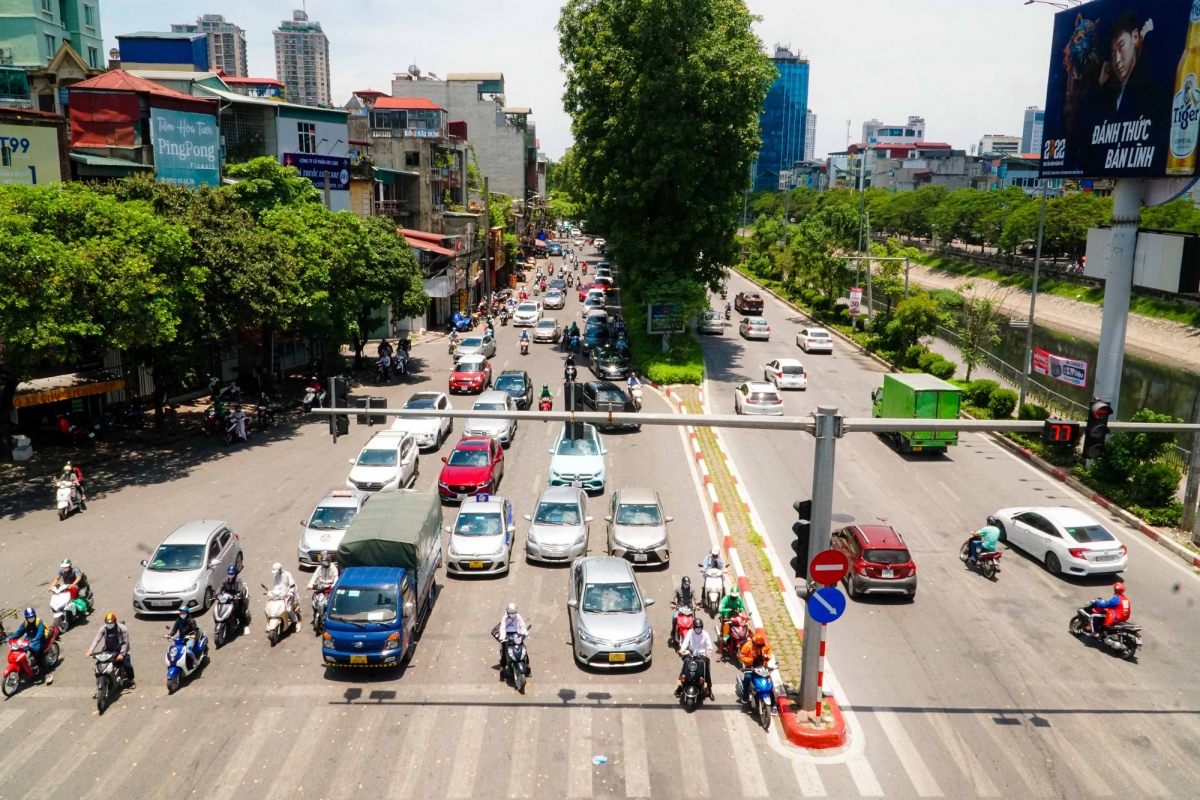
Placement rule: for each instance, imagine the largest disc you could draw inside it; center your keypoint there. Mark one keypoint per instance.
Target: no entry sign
(828, 567)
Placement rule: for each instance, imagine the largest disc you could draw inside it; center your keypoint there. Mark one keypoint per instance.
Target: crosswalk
(561, 744)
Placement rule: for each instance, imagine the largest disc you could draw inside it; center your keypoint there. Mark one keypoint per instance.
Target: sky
(969, 68)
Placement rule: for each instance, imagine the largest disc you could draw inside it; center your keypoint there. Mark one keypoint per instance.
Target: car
(471, 374)
(556, 283)
(710, 322)
(757, 397)
(1067, 541)
(748, 303)
(754, 328)
(599, 244)
(576, 233)
(595, 336)
(786, 373)
(518, 385)
(186, 568)
(584, 288)
(477, 345)
(389, 461)
(595, 317)
(547, 330)
(814, 340)
(579, 243)
(577, 457)
(607, 614)
(502, 429)
(527, 314)
(325, 527)
(597, 292)
(591, 305)
(603, 271)
(880, 562)
(559, 525)
(609, 362)
(554, 249)
(637, 527)
(604, 282)
(475, 466)
(606, 396)
(555, 299)
(481, 538)
(429, 432)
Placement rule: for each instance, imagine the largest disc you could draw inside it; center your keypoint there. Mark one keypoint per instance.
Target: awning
(67, 393)
(388, 176)
(438, 287)
(94, 166)
(429, 247)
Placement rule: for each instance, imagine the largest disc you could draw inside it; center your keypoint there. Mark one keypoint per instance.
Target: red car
(880, 561)
(471, 374)
(475, 466)
(584, 288)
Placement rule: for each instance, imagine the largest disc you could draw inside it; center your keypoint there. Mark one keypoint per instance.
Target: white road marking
(963, 755)
(118, 764)
(524, 758)
(57, 773)
(864, 777)
(809, 779)
(1039, 785)
(244, 753)
(579, 753)
(753, 784)
(417, 738)
(466, 757)
(633, 738)
(28, 747)
(910, 759)
(9, 716)
(291, 774)
(949, 491)
(1093, 783)
(1139, 775)
(693, 778)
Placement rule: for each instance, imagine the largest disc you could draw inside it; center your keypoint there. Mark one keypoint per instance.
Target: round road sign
(828, 567)
(826, 605)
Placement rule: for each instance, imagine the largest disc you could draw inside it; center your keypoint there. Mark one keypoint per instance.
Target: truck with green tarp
(917, 395)
(385, 591)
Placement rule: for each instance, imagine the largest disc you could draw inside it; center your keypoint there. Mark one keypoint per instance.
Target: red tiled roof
(370, 93)
(407, 104)
(410, 233)
(118, 80)
(47, 114)
(429, 247)
(232, 81)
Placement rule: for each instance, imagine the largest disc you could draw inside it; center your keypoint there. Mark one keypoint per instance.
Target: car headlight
(452, 550)
(192, 588)
(644, 636)
(587, 638)
(554, 473)
(443, 485)
(500, 548)
(582, 537)
(530, 538)
(139, 589)
(657, 545)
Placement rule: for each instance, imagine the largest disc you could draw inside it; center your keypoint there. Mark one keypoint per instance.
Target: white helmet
(512, 609)
(276, 568)
(716, 552)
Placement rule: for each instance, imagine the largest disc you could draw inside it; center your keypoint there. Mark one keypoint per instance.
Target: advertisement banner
(30, 155)
(186, 148)
(314, 167)
(664, 318)
(1066, 370)
(855, 301)
(1123, 98)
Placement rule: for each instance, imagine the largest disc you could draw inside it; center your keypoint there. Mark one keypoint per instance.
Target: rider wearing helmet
(326, 574)
(281, 577)
(114, 638)
(1115, 609)
(754, 653)
(511, 624)
(33, 629)
(985, 538)
(683, 597)
(186, 628)
(233, 585)
(699, 644)
(69, 575)
(731, 606)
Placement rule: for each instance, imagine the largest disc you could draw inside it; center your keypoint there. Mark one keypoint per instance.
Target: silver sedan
(546, 330)
(637, 527)
(559, 528)
(755, 328)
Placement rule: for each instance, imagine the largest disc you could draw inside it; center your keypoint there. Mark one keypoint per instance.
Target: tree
(913, 319)
(979, 323)
(263, 184)
(664, 97)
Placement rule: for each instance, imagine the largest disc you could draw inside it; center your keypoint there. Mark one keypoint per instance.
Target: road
(975, 688)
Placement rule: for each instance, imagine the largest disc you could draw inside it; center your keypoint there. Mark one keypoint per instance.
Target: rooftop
(407, 103)
(162, 35)
(118, 80)
(475, 76)
(234, 81)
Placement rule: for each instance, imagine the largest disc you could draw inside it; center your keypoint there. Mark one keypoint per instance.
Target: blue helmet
(183, 611)
(30, 614)
(231, 571)
(993, 521)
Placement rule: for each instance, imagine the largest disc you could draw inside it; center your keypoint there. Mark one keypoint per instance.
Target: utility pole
(487, 239)
(1037, 265)
(1110, 360)
(828, 431)
(870, 296)
(327, 205)
(1191, 490)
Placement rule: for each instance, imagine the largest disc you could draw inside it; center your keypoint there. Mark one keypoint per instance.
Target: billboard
(1123, 97)
(185, 148)
(314, 167)
(664, 318)
(1072, 371)
(29, 154)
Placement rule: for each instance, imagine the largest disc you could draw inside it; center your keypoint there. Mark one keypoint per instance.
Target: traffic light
(801, 529)
(1096, 431)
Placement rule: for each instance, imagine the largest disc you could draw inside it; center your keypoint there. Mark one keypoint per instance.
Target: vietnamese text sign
(855, 301)
(30, 154)
(1066, 370)
(664, 318)
(314, 167)
(185, 148)
(1123, 98)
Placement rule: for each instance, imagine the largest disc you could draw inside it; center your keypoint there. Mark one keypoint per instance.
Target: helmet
(231, 571)
(760, 638)
(66, 564)
(1119, 587)
(110, 619)
(716, 551)
(276, 568)
(698, 624)
(328, 557)
(734, 591)
(686, 583)
(993, 521)
(183, 611)
(512, 609)
(30, 614)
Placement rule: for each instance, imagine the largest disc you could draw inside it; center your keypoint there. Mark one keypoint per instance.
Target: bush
(683, 363)
(1154, 484)
(911, 370)
(979, 392)
(927, 358)
(948, 299)
(914, 354)
(1001, 403)
(1032, 411)
(942, 368)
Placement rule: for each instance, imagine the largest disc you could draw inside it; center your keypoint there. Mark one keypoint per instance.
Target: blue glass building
(783, 120)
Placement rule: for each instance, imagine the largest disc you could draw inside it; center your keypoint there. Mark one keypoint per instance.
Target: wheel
(965, 553)
(273, 636)
(66, 624)
(1053, 565)
(238, 562)
(12, 681)
(1076, 626)
(689, 702)
(62, 514)
(764, 715)
(210, 597)
(989, 569)
(852, 589)
(173, 684)
(1003, 533)
(1131, 647)
(50, 657)
(519, 681)
(219, 635)
(101, 695)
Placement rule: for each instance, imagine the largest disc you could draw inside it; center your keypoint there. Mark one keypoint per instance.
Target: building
(910, 132)
(782, 122)
(996, 143)
(31, 31)
(226, 43)
(45, 158)
(47, 86)
(905, 167)
(302, 61)
(1002, 171)
(1031, 130)
(503, 138)
(268, 88)
(164, 50)
(810, 136)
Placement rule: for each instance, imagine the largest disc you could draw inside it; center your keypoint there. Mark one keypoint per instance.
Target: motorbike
(70, 606)
(314, 394)
(728, 315)
(182, 661)
(692, 682)
(1124, 638)
(635, 394)
(516, 661)
(400, 363)
(264, 413)
(68, 498)
(231, 431)
(462, 322)
(570, 372)
(762, 701)
(279, 621)
(231, 613)
(684, 620)
(214, 419)
(988, 563)
(320, 599)
(110, 680)
(504, 317)
(545, 404)
(737, 632)
(383, 373)
(714, 589)
(524, 347)
(23, 664)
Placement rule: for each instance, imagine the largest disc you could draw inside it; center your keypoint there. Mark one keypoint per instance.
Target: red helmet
(1119, 587)
(759, 638)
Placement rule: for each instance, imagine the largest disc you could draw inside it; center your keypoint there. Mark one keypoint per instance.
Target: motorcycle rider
(238, 418)
(754, 653)
(985, 538)
(385, 365)
(1115, 609)
(728, 309)
(385, 348)
(233, 585)
(72, 474)
(281, 577)
(114, 638)
(510, 623)
(731, 606)
(326, 574)
(186, 628)
(569, 368)
(69, 576)
(699, 644)
(33, 629)
(524, 339)
(683, 597)
(714, 561)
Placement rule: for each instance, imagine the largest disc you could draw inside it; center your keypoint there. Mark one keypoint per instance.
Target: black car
(596, 336)
(609, 362)
(517, 384)
(607, 396)
(557, 283)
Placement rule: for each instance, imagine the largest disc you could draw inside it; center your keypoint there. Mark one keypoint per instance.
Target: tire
(852, 589)
(1053, 565)
(519, 681)
(1131, 647)
(238, 562)
(1075, 626)
(173, 684)
(989, 569)
(764, 716)
(219, 635)
(210, 597)
(964, 554)
(1003, 532)
(50, 658)
(273, 636)
(689, 703)
(66, 624)
(62, 514)
(12, 682)
(101, 695)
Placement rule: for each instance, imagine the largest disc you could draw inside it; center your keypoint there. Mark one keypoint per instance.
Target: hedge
(683, 363)
(1001, 403)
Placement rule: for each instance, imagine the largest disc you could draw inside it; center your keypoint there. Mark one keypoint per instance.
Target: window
(308, 136)
(50, 45)
(412, 158)
(47, 7)
(214, 549)
(5, 156)
(93, 58)
(89, 16)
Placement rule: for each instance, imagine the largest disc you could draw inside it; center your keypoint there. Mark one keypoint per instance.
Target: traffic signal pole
(1110, 360)
(828, 430)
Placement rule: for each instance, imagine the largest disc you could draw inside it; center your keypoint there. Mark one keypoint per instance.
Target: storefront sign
(664, 318)
(855, 301)
(185, 148)
(314, 167)
(30, 154)
(1067, 370)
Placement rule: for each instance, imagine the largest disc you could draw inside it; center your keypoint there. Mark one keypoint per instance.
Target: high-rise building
(302, 60)
(31, 31)
(993, 143)
(1031, 131)
(810, 136)
(226, 43)
(783, 119)
(911, 132)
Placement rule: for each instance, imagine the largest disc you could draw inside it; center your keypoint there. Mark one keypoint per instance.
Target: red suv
(475, 466)
(879, 560)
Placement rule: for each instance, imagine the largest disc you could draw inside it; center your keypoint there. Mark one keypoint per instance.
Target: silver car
(559, 528)
(710, 322)
(325, 528)
(477, 345)
(481, 538)
(758, 397)
(554, 299)
(754, 328)
(502, 429)
(607, 614)
(187, 568)
(637, 527)
(546, 330)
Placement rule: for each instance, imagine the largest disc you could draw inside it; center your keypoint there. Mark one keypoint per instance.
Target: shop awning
(429, 247)
(94, 166)
(388, 176)
(439, 287)
(39, 398)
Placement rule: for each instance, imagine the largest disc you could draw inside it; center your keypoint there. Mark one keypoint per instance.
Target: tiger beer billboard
(1123, 99)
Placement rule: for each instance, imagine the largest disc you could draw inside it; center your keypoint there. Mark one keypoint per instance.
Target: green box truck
(916, 395)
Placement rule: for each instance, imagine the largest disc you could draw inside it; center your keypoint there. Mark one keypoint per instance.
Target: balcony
(396, 209)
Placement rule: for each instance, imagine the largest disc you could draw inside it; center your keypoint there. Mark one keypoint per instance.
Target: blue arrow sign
(826, 605)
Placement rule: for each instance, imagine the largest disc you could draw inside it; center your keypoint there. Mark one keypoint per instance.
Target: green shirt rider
(731, 606)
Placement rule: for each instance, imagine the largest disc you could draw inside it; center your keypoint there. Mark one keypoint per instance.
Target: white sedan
(814, 340)
(1066, 541)
(527, 314)
(786, 373)
(758, 397)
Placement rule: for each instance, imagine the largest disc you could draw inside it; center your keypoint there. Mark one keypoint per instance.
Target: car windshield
(332, 518)
(578, 447)
(506, 383)
(638, 514)
(611, 598)
(819, 334)
(1090, 533)
(557, 514)
(368, 604)
(375, 457)
(470, 366)
(792, 369)
(883, 556)
(527, 307)
(547, 324)
(468, 458)
(763, 397)
(471, 341)
(177, 557)
(488, 407)
(478, 524)
(611, 396)
(758, 321)
(558, 283)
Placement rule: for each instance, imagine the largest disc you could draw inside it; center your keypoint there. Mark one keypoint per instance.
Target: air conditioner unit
(6, 54)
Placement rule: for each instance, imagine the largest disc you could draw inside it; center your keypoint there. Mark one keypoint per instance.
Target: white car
(501, 429)
(388, 462)
(325, 528)
(555, 299)
(481, 538)
(430, 431)
(1067, 541)
(187, 568)
(599, 244)
(814, 340)
(527, 314)
(786, 373)
(758, 397)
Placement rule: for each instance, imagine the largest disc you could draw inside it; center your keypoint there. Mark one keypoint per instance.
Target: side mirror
(648, 601)
(608, 517)
(303, 523)
(527, 517)
(587, 519)
(670, 519)
(512, 528)
(448, 529)
(145, 562)
(603, 451)
(572, 603)
(409, 608)
(444, 459)
(351, 460)
(550, 451)
(216, 562)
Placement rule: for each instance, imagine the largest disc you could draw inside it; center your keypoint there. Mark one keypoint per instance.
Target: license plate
(358, 659)
(616, 657)
(475, 564)
(639, 558)
(577, 484)
(460, 496)
(1106, 558)
(918, 449)
(888, 573)
(159, 603)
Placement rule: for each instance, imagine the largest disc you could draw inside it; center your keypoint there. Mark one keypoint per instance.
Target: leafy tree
(1068, 220)
(913, 319)
(263, 184)
(978, 324)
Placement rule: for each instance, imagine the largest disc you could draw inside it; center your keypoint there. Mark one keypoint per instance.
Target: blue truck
(385, 592)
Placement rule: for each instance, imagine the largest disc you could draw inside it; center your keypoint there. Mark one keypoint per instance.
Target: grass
(683, 363)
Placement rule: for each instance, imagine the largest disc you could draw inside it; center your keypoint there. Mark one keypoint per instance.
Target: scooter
(383, 373)
(320, 599)
(68, 498)
(545, 404)
(110, 680)
(727, 315)
(400, 363)
(279, 621)
(231, 431)
(264, 413)
(314, 394)
(714, 589)
(1123, 638)
(684, 619)
(737, 633)
(988, 563)
(693, 689)
(516, 661)
(23, 664)
(524, 347)
(635, 394)
(762, 701)
(570, 372)
(231, 613)
(70, 606)
(504, 317)
(182, 660)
